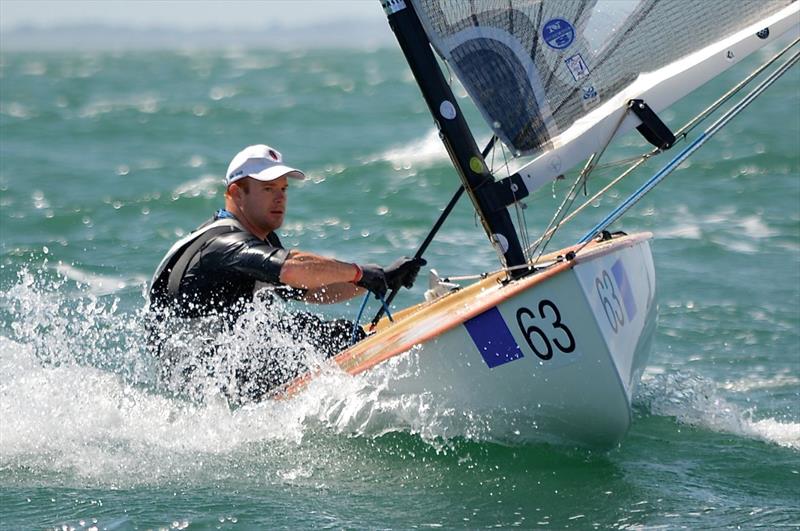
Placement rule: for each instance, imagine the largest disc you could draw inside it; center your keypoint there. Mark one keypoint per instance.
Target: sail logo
(589, 96)
(558, 33)
(577, 67)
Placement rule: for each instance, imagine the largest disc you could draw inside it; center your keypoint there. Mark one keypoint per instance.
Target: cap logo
(273, 154)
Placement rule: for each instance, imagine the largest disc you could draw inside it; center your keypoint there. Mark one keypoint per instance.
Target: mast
(454, 132)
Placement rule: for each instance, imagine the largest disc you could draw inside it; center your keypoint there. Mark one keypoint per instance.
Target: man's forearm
(333, 293)
(310, 271)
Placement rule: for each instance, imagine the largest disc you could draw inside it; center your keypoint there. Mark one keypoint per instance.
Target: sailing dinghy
(552, 345)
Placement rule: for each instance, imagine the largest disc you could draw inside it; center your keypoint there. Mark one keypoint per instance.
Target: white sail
(553, 77)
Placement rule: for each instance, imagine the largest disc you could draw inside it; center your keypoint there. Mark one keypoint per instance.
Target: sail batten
(548, 73)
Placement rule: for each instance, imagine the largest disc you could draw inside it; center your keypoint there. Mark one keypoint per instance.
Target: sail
(535, 68)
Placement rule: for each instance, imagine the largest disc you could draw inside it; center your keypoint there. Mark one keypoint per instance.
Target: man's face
(265, 204)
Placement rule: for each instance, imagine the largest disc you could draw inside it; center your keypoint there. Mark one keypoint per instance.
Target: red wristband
(359, 274)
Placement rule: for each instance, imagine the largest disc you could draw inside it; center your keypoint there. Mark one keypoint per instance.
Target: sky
(186, 14)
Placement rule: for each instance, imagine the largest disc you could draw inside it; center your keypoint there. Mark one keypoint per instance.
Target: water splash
(79, 399)
(697, 401)
(79, 395)
(62, 322)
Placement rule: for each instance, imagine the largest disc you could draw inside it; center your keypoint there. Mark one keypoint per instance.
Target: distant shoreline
(345, 34)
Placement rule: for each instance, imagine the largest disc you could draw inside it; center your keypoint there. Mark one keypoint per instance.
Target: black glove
(403, 272)
(373, 278)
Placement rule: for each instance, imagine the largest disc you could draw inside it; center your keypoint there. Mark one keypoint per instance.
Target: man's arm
(333, 293)
(313, 272)
(310, 271)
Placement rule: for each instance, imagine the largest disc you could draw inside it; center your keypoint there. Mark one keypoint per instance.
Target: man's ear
(235, 192)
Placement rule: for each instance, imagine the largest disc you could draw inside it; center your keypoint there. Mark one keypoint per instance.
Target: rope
(361, 313)
(592, 164)
(358, 319)
(386, 310)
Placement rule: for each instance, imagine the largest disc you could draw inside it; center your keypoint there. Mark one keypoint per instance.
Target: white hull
(553, 356)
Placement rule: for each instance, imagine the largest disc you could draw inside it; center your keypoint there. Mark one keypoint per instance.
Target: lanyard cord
(361, 313)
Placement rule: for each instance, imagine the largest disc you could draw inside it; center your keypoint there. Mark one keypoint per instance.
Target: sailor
(208, 280)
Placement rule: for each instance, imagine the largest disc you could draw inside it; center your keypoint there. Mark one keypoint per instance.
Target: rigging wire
(689, 126)
(505, 166)
(523, 228)
(689, 150)
(734, 90)
(569, 199)
(519, 210)
(680, 134)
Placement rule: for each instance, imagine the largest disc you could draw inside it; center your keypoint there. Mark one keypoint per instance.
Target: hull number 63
(611, 303)
(544, 330)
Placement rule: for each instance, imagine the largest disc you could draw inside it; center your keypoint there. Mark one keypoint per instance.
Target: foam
(783, 433)
(206, 186)
(781, 379)
(77, 398)
(423, 152)
(696, 401)
(97, 284)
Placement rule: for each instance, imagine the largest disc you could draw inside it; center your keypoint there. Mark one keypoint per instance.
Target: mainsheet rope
(361, 313)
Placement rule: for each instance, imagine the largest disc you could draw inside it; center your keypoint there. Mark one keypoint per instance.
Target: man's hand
(373, 278)
(403, 272)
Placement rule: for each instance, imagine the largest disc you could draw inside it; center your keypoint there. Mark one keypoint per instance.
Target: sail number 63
(544, 329)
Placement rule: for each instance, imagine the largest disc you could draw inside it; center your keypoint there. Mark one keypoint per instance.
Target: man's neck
(231, 213)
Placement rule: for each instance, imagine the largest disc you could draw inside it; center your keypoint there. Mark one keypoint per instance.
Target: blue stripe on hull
(491, 335)
(618, 270)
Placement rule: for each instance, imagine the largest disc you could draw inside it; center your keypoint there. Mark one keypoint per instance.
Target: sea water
(107, 158)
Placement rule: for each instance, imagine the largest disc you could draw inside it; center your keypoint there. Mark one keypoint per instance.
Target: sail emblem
(577, 67)
(558, 33)
(589, 97)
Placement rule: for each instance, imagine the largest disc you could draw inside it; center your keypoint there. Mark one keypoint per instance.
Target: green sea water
(107, 158)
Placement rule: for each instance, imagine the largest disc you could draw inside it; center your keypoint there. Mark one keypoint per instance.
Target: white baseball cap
(259, 162)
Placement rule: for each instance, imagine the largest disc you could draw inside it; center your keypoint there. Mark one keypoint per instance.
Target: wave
(78, 395)
(207, 186)
(696, 401)
(98, 284)
(78, 389)
(423, 152)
